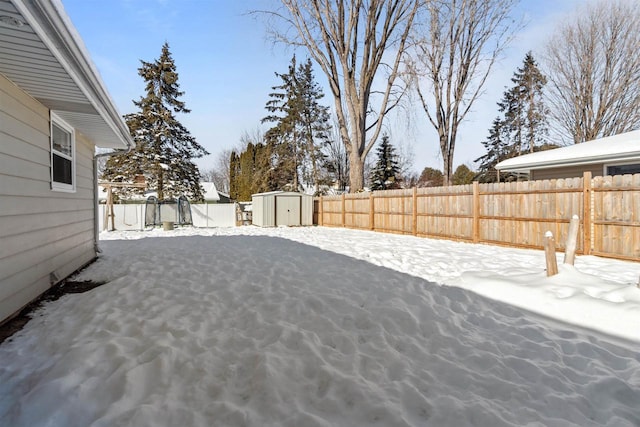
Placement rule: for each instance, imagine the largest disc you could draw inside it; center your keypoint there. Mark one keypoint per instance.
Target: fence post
(414, 224)
(343, 211)
(476, 211)
(372, 216)
(110, 212)
(320, 212)
(572, 236)
(587, 215)
(550, 254)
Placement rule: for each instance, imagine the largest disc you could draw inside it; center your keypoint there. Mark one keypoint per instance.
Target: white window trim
(59, 186)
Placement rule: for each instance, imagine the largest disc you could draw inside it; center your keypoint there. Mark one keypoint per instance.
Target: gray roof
(281, 193)
(42, 53)
(621, 148)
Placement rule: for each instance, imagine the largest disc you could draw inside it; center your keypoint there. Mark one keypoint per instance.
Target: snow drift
(263, 331)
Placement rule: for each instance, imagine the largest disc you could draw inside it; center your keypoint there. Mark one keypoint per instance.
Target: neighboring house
(613, 155)
(54, 111)
(212, 195)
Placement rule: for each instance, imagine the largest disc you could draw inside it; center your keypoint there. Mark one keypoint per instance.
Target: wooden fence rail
(512, 214)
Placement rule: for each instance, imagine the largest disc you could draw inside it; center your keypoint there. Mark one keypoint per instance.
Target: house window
(623, 169)
(63, 165)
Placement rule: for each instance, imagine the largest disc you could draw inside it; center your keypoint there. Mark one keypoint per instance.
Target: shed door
(287, 210)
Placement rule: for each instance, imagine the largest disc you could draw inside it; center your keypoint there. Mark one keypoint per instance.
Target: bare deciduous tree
(253, 136)
(594, 71)
(336, 159)
(406, 157)
(456, 46)
(350, 40)
(219, 173)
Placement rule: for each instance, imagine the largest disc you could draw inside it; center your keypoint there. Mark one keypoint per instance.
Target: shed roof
(281, 193)
(623, 147)
(43, 54)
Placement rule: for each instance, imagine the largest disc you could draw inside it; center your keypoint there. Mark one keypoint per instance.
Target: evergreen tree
(283, 137)
(385, 173)
(525, 114)
(431, 177)
(498, 149)
(315, 127)
(463, 175)
(251, 172)
(164, 147)
(523, 125)
(300, 128)
(234, 172)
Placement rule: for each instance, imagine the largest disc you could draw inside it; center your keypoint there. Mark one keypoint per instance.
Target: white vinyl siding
(41, 231)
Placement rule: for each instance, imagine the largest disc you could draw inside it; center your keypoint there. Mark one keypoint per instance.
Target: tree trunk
(356, 173)
(160, 183)
(447, 146)
(348, 41)
(296, 153)
(454, 57)
(447, 160)
(314, 160)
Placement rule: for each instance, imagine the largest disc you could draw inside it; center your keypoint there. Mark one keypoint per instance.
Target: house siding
(567, 172)
(41, 231)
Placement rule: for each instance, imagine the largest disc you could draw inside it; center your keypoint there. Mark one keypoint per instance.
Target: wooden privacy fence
(513, 214)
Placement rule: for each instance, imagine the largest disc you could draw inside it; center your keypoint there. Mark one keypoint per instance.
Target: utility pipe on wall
(96, 207)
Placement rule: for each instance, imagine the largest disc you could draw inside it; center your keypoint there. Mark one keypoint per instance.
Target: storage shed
(277, 208)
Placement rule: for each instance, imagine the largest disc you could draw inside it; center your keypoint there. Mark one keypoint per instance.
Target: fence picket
(512, 214)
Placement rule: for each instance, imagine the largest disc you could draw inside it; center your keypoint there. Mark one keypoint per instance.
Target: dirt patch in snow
(16, 323)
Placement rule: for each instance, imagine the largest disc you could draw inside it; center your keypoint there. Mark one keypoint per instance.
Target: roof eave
(56, 31)
(526, 167)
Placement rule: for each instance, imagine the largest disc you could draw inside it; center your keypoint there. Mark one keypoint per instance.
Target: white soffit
(41, 52)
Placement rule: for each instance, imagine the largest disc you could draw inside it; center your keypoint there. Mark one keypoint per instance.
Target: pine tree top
(162, 87)
(164, 146)
(385, 173)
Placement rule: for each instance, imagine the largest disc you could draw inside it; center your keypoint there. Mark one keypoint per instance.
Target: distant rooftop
(619, 148)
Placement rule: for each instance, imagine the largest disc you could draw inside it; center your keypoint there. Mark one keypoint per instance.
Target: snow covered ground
(328, 327)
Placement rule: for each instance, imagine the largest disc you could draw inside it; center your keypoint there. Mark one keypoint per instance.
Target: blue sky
(226, 66)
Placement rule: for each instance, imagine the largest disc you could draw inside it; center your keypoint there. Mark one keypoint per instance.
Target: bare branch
(464, 39)
(593, 66)
(349, 39)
